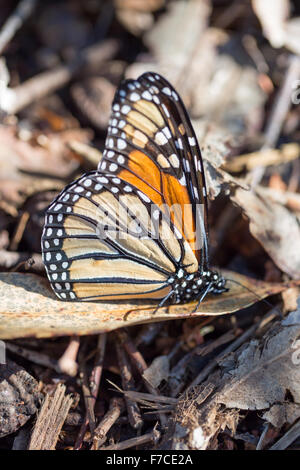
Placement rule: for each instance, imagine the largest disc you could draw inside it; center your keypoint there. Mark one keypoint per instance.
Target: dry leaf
(278, 415)
(29, 308)
(272, 16)
(264, 371)
(21, 161)
(174, 37)
(157, 371)
(93, 97)
(292, 35)
(139, 5)
(274, 226)
(266, 157)
(215, 143)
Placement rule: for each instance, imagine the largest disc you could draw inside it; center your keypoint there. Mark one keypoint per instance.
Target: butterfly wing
(133, 227)
(105, 239)
(151, 144)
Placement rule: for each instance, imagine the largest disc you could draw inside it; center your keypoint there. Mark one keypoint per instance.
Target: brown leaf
(274, 226)
(265, 370)
(21, 160)
(29, 308)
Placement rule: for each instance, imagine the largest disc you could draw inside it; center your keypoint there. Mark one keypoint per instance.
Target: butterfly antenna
(257, 296)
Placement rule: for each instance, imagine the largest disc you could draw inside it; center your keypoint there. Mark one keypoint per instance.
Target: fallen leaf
(93, 97)
(278, 415)
(29, 308)
(272, 16)
(273, 225)
(22, 160)
(264, 371)
(157, 371)
(292, 35)
(216, 143)
(174, 37)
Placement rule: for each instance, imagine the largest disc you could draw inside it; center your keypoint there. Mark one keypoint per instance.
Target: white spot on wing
(121, 144)
(160, 138)
(167, 91)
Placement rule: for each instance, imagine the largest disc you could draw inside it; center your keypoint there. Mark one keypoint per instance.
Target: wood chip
(50, 420)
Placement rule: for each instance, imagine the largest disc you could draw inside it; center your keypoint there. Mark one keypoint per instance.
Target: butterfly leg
(161, 304)
(163, 301)
(203, 296)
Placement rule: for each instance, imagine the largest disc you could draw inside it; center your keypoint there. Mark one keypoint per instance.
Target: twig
(67, 362)
(50, 420)
(91, 155)
(116, 407)
(98, 367)
(289, 437)
(149, 398)
(139, 363)
(278, 113)
(95, 379)
(17, 237)
(136, 358)
(136, 441)
(134, 414)
(282, 103)
(34, 356)
(261, 442)
(90, 414)
(15, 21)
(11, 260)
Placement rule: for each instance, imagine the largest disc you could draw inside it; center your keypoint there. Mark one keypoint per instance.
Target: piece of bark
(19, 397)
(50, 420)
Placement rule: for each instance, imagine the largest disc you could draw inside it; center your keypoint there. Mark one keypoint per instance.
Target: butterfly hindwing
(105, 239)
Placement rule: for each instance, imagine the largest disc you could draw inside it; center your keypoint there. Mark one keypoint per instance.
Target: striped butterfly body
(137, 227)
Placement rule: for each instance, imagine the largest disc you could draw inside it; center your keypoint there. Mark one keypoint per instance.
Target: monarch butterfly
(137, 226)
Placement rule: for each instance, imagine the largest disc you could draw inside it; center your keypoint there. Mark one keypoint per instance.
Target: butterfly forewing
(152, 144)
